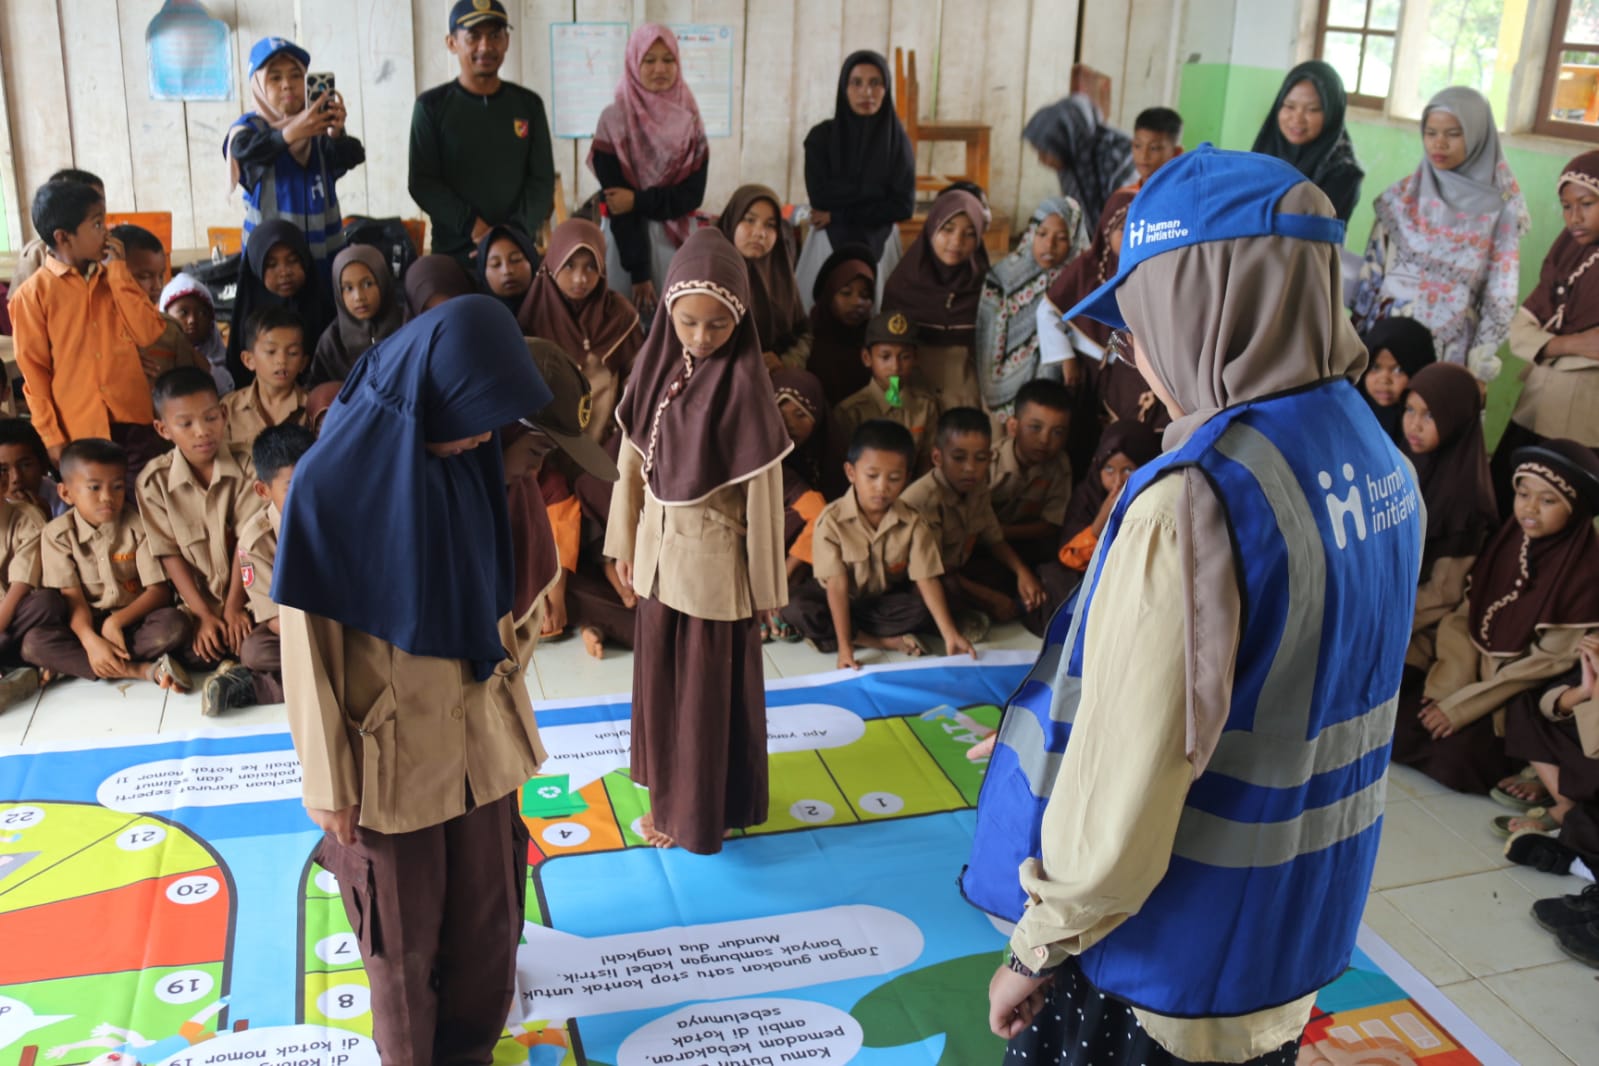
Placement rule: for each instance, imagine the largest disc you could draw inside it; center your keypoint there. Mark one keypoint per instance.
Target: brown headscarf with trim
(1209, 320)
(1567, 297)
(775, 303)
(940, 299)
(1521, 583)
(602, 322)
(702, 424)
(1454, 478)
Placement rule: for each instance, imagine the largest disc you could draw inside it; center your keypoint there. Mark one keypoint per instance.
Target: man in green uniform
(480, 147)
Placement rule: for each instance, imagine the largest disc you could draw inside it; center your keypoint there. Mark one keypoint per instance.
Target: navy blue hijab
(379, 534)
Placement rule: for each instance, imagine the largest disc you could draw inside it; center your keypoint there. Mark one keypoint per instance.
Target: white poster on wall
(587, 60)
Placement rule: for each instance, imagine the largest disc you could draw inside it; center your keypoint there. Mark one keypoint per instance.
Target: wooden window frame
(1557, 43)
(1357, 99)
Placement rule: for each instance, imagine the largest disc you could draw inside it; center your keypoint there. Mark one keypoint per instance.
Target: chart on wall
(158, 904)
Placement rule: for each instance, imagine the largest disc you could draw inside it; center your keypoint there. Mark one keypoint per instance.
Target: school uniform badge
(246, 569)
(521, 126)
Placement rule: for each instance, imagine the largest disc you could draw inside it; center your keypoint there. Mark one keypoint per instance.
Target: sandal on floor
(1534, 820)
(1514, 802)
(786, 633)
(167, 666)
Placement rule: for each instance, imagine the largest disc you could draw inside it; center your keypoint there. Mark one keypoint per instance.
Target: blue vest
(303, 195)
(1275, 847)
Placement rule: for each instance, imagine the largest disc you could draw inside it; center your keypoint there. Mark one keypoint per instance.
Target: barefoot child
(369, 307)
(275, 453)
(122, 623)
(890, 357)
(954, 499)
(275, 353)
(876, 560)
(194, 500)
(696, 527)
(411, 718)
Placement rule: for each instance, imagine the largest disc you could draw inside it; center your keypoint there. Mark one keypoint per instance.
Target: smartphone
(318, 85)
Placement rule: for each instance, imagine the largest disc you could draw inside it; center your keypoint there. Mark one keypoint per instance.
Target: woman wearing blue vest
(1210, 819)
(287, 153)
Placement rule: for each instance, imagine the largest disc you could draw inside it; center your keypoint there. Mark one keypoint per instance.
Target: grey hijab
(1474, 187)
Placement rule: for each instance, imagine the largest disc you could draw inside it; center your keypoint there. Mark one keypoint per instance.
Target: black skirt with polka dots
(1081, 1026)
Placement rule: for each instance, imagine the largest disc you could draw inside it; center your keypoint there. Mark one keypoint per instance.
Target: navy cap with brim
(1204, 195)
(466, 14)
(263, 50)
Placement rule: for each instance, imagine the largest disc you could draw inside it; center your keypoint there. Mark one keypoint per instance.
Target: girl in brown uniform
(696, 529)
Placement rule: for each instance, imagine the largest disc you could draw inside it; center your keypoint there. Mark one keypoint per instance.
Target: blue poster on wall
(189, 52)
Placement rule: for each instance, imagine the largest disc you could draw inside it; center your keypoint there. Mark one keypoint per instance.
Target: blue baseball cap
(267, 47)
(1205, 195)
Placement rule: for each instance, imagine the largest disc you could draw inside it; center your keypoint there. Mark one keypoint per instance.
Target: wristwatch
(1016, 965)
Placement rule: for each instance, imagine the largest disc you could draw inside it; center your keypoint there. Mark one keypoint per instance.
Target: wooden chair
(973, 135)
(157, 222)
(224, 240)
(417, 229)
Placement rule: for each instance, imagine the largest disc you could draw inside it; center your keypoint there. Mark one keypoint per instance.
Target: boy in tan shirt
(121, 623)
(890, 354)
(194, 499)
(876, 562)
(1030, 480)
(274, 350)
(24, 606)
(954, 499)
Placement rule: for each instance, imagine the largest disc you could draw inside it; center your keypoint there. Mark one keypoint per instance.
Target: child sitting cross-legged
(121, 620)
(876, 562)
(194, 500)
(275, 453)
(275, 352)
(954, 499)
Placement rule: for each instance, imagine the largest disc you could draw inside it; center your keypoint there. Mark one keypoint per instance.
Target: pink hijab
(659, 138)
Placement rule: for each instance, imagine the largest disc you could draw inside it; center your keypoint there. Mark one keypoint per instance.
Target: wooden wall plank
(1149, 69)
(330, 32)
(961, 74)
(385, 43)
(158, 138)
(15, 206)
(537, 17)
(1051, 44)
(99, 115)
(41, 130)
(1002, 95)
(817, 44)
(212, 201)
(1105, 31)
(726, 152)
(764, 152)
(432, 60)
(594, 11)
(866, 25)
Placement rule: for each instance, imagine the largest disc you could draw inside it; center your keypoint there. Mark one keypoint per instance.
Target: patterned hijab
(658, 138)
(1567, 297)
(1097, 159)
(702, 424)
(1007, 322)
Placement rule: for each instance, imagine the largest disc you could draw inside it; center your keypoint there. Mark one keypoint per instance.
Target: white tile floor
(1443, 896)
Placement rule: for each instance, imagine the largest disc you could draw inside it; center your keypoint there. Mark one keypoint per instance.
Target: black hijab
(529, 250)
(854, 163)
(387, 538)
(311, 303)
(1329, 160)
(1410, 343)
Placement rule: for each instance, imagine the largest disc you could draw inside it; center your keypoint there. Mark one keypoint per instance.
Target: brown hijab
(702, 424)
(532, 542)
(820, 460)
(941, 300)
(836, 346)
(1134, 440)
(1095, 266)
(1567, 297)
(775, 303)
(435, 275)
(602, 322)
(1454, 478)
(1521, 583)
(348, 338)
(1208, 319)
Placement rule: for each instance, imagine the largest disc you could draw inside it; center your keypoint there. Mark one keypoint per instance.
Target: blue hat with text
(267, 47)
(1205, 195)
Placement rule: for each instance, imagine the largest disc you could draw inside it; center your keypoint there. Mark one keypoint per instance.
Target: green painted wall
(1225, 104)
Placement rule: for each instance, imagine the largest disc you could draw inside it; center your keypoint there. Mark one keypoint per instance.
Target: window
(1568, 103)
(1357, 37)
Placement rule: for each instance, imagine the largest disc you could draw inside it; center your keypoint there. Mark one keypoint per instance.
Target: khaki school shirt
(258, 550)
(247, 415)
(1029, 493)
(197, 522)
(112, 564)
(720, 559)
(1123, 781)
(1468, 682)
(960, 522)
(918, 412)
(1559, 396)
(405, 736)
(902, 548)
(20, 528)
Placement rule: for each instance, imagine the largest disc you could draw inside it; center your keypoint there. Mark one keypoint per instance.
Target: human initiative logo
(1388, 502)
(1145, 232)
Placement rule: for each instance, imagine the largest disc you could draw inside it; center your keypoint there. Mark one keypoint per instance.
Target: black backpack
(387, 235)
